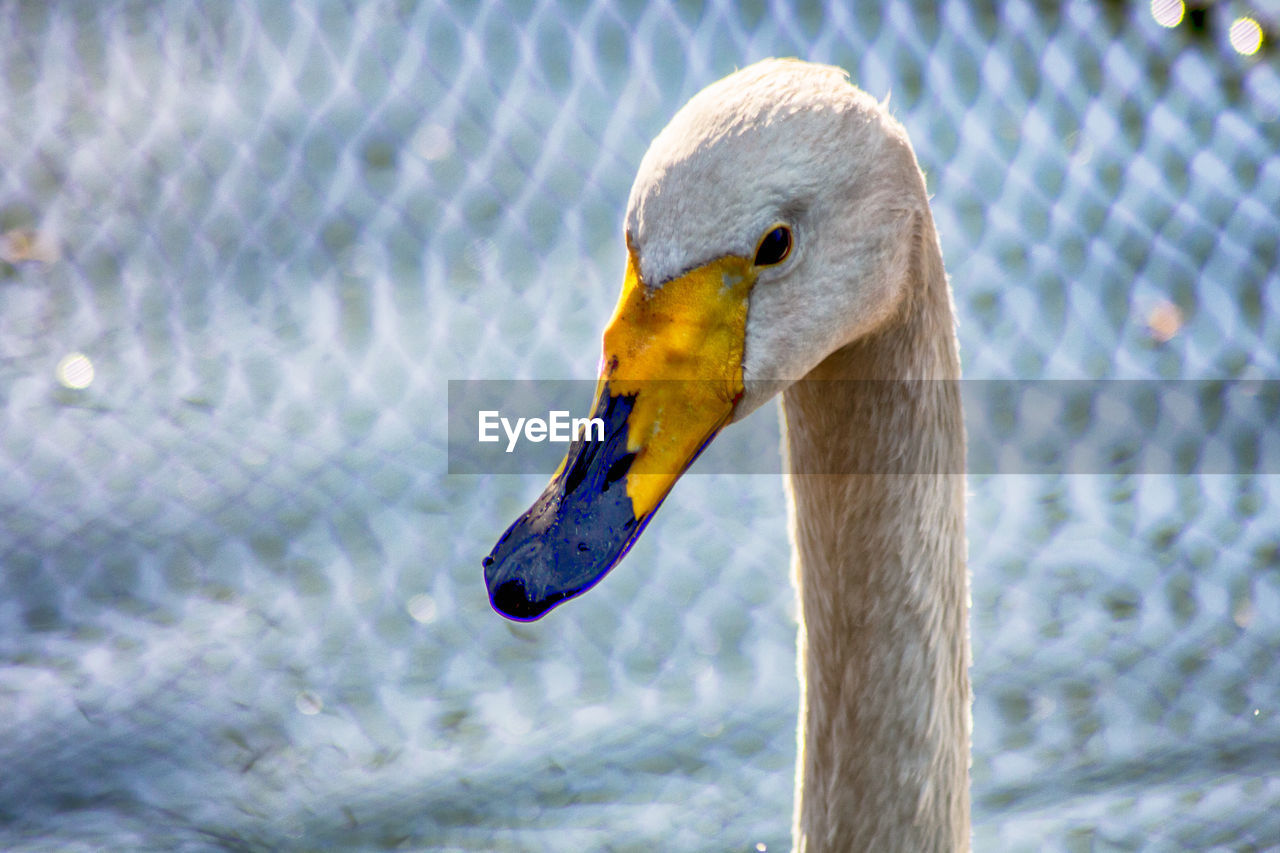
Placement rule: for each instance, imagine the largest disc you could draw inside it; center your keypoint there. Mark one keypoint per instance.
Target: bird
(780, 242)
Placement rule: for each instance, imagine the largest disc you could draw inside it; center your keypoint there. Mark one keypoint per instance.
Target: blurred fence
(244, 247)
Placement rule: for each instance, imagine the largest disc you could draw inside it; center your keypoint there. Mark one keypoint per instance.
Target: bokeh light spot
(75, 371)
(1164, 321)
(1246, 36)
(432, 142)
(309, 703)
(422, 608)
(1168, 13)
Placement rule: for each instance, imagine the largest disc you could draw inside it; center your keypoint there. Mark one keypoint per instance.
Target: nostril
(618, 470)
(487, 561)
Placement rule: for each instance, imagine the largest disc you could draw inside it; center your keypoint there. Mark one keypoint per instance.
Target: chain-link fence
(245, 245)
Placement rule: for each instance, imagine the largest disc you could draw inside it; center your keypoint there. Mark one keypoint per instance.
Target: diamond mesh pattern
(241, 604)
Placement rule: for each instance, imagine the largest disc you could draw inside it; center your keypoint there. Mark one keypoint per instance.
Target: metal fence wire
(245, 245)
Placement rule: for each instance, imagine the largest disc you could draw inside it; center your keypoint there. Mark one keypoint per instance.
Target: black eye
(774, 248)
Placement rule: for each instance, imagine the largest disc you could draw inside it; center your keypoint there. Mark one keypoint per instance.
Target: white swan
(779, 238)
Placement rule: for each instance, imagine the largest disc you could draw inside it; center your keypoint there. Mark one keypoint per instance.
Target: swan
(779, 241)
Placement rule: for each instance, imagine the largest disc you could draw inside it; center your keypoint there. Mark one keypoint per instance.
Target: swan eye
(774, 248)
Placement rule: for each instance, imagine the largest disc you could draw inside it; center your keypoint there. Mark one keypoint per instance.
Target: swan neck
(881, 579)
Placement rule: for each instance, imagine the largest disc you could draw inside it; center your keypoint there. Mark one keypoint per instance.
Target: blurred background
(243, 248)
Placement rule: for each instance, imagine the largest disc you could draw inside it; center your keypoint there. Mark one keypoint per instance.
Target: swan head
(769, 225)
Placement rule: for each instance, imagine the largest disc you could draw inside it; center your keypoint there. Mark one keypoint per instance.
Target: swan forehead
(743, 153)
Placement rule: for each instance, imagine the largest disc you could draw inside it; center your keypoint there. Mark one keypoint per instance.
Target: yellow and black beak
(670, 378)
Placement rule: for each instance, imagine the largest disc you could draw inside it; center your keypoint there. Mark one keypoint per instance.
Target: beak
(669, 380)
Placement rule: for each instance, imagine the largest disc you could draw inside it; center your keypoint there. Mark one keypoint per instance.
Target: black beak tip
(511, 599)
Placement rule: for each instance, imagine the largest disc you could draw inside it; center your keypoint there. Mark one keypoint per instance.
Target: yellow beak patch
(678, 350)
